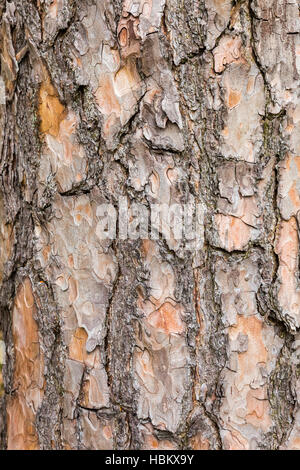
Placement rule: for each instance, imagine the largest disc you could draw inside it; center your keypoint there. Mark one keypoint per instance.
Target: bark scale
(142, 343)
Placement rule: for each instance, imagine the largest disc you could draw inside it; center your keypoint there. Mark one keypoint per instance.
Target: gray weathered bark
(145, 343)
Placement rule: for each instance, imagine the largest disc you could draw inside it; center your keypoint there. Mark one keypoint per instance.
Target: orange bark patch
(107, 432)
(258, 408)
(66, 130)
(106, 98)
(126, 79)
(9, 65)
(6, 243)
(123, 37)
(20, 424)
(53, 9)
(113, 89)
(233, 440)
(73, 290)
(250, 85)
(6, 239)
(152, 443)
(287, 248)
(288, 186)
(233, 232)
(151, 95)
(77, 345)
(297, 161)
(92, 393)
(227, 52)
(71, 261)
(225, 131)
(46, 253)
(28, 374)
(294, 196)
(294, 444)
(256, 353)
(198, 442)
(234, 97)
(167, 319)
(77, 349)
(51, 111)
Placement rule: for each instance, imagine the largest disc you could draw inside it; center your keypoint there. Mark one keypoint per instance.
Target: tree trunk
(134, 341)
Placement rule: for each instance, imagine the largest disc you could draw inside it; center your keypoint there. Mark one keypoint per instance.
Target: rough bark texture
(143, 344)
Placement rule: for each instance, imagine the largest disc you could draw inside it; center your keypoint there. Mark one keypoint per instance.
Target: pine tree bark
(142, 343)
